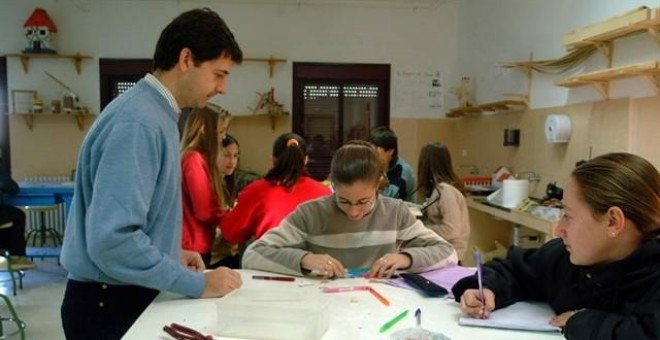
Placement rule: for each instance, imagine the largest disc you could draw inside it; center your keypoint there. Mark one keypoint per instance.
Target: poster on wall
(418, 93)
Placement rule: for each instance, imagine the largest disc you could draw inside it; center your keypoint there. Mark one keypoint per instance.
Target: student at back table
(263, 204)
(602, 275)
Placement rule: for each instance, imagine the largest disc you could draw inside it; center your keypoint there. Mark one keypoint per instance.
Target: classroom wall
(417, 40)
(520, 27)
(447, 37)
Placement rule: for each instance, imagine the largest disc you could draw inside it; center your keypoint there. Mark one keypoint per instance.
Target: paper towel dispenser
(558, 128)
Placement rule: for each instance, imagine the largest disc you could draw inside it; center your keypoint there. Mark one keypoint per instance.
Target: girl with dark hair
(263, 204)
(202, 188)
(445, 210)
(353, 228)
(601, 275)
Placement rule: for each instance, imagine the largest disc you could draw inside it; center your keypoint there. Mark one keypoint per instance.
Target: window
(334, 103)
(119, 75)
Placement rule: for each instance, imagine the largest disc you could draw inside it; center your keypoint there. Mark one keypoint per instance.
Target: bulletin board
(418, 93)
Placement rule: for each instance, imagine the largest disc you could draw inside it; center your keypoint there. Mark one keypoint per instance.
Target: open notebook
(523, 315)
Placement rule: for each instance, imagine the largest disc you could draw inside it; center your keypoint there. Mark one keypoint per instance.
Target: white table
(353, 315)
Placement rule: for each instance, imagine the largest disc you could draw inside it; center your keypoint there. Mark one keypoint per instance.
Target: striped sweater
(321, 227)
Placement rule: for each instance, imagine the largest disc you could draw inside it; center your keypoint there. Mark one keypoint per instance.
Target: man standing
(123, 239)
(401, 178)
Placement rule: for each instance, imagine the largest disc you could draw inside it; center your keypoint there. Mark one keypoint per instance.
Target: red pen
(274, 278)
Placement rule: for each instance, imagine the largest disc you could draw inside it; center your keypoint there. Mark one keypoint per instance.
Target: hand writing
(472, 304)
(324, 264)
(386, 265)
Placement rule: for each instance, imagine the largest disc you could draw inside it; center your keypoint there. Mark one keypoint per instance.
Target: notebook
(523, 315)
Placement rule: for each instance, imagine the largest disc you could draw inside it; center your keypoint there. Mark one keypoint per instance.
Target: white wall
(411, 39)
(495, 31)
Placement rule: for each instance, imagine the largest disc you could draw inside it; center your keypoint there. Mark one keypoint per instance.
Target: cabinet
(78, 114)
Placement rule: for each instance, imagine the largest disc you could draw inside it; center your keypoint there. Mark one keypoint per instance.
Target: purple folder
(445, 277)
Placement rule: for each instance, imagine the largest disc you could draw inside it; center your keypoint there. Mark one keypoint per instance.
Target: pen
(274, 278)
(380, 298)
(477, 261)
(392, 322)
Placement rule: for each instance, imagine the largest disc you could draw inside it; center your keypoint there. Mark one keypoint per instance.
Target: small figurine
(41, 33)
(463, 93)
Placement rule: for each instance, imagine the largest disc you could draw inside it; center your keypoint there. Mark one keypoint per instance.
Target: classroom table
(352, 315)
(42, 193)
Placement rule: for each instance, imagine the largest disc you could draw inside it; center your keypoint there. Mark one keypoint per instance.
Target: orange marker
(380, 298)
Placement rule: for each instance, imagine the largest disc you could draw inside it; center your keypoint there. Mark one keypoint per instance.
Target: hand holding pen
(473, 305)
(322, 264)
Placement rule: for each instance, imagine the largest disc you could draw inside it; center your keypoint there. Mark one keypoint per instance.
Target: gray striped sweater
(320, 227)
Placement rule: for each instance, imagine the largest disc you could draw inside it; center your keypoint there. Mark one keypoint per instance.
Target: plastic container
(272, 314)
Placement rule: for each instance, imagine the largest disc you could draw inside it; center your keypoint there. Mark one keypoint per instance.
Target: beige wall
(51, 147)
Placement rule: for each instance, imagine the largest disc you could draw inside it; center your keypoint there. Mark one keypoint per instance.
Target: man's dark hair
(203, 32)
(384, 137)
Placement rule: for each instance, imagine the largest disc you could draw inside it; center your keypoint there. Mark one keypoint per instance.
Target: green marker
(392, 322)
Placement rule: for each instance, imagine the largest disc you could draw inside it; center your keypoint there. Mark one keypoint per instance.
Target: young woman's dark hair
(289, 156)
(356, 161)
(435, 166)
(230, 186)
(200, 30)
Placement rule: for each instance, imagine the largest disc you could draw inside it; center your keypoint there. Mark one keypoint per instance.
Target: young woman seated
(602, 275)
(353, 228)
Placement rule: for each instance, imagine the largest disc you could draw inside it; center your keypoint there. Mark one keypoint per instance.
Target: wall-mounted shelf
(78, 115)
(25, 59)
(602, 33)
(502, 105)
(271, 63)
(601, 79)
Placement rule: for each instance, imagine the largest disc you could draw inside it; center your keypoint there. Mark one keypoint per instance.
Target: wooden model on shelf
(268, 106)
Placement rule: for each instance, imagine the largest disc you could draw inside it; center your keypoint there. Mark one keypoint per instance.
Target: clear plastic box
(272, 314)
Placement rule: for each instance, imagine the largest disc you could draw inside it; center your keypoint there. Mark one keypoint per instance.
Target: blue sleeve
(119, 238)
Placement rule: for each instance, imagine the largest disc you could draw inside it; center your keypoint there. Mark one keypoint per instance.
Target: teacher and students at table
(123, 243)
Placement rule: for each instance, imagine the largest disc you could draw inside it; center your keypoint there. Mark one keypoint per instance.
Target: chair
(41, 230)
(13, 317)
(14, 273)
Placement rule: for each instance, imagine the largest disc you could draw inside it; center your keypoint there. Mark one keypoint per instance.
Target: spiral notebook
(523, 315)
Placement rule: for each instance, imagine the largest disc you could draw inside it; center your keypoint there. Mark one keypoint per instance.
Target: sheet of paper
(523, 315)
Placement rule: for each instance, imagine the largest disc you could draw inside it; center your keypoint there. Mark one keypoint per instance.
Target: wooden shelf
(601, 79)
(271, 63)
(78, 115)
(601, 33)
(25, 59)
(502, 105)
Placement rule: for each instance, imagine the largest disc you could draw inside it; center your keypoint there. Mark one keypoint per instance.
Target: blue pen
(477, 260)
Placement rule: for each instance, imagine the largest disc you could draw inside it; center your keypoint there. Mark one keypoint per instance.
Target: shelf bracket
(25, 62)
(80, 119)
(655, 34)
(272, 61)
(603, 87)
(605, 47)
(654, 80)
(29, 120)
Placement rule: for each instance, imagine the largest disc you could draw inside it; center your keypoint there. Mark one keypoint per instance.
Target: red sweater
(262, 206)
(201, 211)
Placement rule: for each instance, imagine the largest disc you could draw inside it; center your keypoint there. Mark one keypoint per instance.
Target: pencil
(273, 278)
(392, 322)
(378, 296)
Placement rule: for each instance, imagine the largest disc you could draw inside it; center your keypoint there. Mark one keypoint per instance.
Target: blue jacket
(124, 226)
